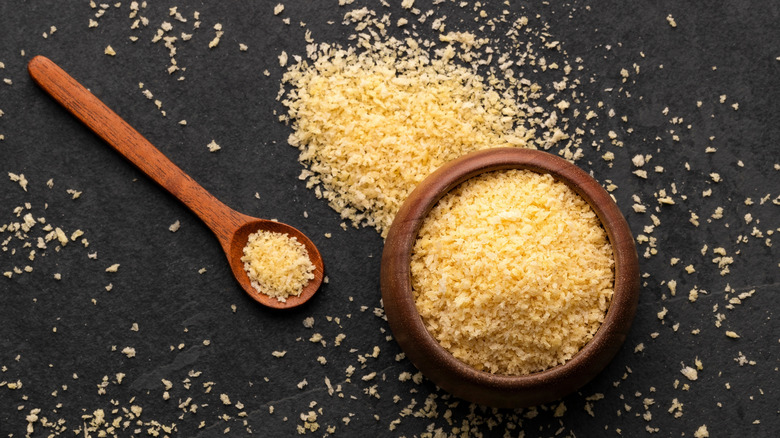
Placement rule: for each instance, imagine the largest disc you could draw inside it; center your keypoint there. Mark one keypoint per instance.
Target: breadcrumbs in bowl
(510, 277)
(512, 272)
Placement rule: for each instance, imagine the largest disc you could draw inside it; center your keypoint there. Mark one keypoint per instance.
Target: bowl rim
(435, 361)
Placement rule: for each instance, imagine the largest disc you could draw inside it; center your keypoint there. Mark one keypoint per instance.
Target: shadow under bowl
(439, 365)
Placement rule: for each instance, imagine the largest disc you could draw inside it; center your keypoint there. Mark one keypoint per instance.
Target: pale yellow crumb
(702, 432)
(218, 34)
(213, 146)
(690, 373)
(19, 178)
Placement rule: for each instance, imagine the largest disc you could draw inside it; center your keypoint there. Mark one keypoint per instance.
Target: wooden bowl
(438, 364)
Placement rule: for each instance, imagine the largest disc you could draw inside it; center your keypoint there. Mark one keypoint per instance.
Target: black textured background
(225, 97)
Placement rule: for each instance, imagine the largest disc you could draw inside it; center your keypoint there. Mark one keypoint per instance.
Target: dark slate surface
(225, 97)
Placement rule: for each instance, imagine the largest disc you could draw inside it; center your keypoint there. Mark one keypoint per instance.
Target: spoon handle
(104, 122)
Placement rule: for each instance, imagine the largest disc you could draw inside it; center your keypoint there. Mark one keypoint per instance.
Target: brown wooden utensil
(231, 227)
(440, 365)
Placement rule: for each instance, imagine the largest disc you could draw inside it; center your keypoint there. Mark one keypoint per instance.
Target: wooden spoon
(231, 227)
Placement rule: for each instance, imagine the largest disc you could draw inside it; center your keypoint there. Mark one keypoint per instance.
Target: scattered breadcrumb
(20, 179)
(225, 399)
(690, 373)
(218, 34)
(213, 146)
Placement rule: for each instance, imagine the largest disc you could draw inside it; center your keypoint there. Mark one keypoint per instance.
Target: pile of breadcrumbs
(512, 272)
(278, 264)
(372, 123)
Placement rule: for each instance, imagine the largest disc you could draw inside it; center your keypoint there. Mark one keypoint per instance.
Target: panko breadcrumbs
(370, 125)
(98, 421)
(278, 265)
(512, 272)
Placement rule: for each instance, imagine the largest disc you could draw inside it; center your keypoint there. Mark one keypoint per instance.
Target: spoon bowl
(234, 251)
(231, 227)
